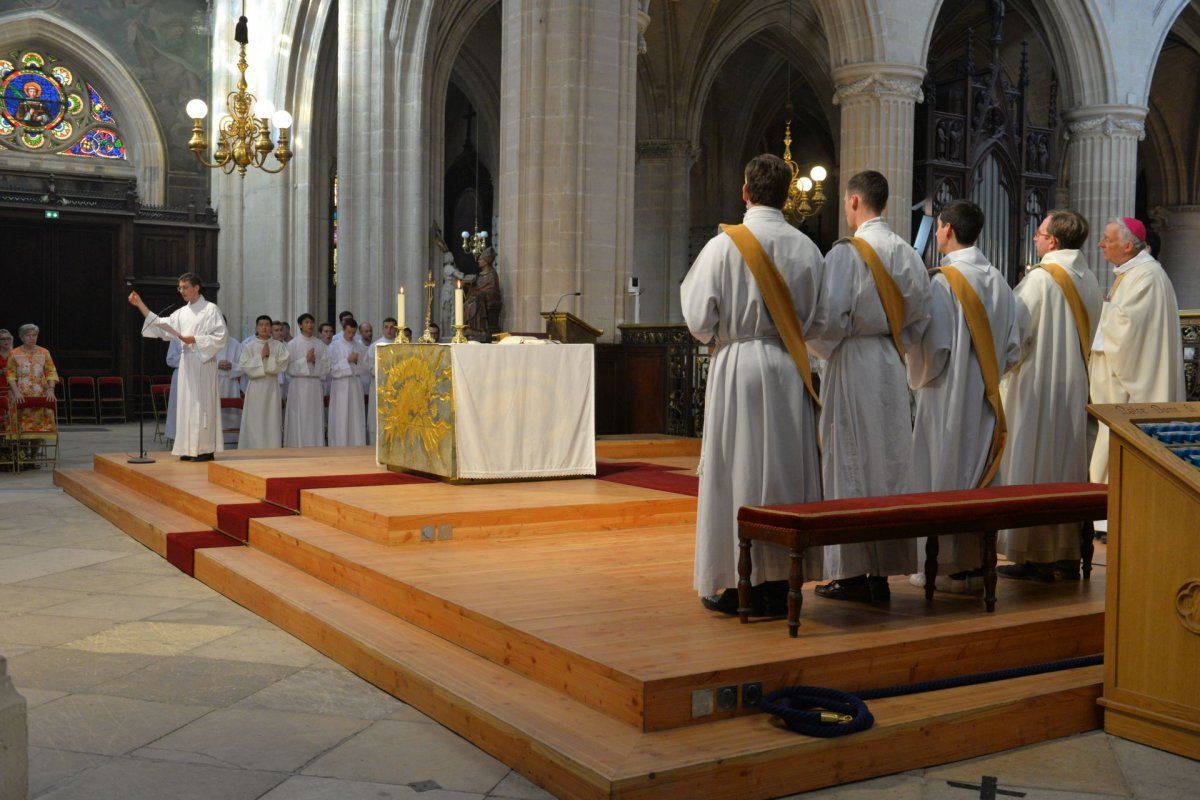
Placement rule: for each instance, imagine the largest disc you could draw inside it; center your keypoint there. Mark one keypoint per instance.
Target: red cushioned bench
(870, 519)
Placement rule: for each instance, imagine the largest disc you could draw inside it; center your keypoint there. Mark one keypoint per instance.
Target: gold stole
(985, 352)
(1112, 292)
(889, 293)
(778, 298)
(1075, 303)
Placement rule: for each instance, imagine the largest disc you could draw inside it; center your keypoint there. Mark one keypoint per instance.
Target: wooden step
(181, 485)
(637, 446)
(249, 476)
(143, 518)
(578, 752)
(405, 514)
(610, 618)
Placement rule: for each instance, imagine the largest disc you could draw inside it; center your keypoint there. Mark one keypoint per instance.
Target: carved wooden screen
(974, 141)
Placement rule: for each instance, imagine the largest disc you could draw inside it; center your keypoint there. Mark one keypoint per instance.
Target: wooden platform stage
(553, 623)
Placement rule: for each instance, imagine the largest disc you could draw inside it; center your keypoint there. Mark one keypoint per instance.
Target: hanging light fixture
(476, 241)
(244, 134)
(805, 193)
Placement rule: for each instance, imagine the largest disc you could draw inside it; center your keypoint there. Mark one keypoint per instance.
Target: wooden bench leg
(745, 566)
(795, 599)
(931, 557)
(1087, 547)
(987, 542)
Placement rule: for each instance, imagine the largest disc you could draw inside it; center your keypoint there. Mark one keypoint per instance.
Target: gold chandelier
(244, 134)
(805, 194)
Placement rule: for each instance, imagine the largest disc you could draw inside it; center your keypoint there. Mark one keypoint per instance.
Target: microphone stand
(141, 457)
(553, 311)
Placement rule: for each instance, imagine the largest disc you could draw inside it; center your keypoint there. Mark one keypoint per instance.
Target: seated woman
(31, 373)
(6, 346)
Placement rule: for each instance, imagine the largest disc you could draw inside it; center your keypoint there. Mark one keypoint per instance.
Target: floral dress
(32, 373)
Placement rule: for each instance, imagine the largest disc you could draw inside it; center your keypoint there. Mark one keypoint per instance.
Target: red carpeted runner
(182, 547)
(233, 519)
(649, 476)
(285, 492)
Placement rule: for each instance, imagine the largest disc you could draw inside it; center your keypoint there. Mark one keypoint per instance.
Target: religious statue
(31, 110)
(451, 274)
(481, 311)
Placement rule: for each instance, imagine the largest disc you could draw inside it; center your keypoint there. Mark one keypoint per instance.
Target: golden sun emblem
(415, 403)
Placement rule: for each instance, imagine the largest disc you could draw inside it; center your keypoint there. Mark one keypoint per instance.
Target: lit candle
(458, 304)
(400, 309)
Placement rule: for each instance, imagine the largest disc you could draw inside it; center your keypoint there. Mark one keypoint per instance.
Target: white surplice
(174, 351)
(197, 417)
(1137, 354)
(1045, 401)
(262, 416)
(229, 384)
(370, 384)
(347, 412)
(952, 429)
(866, 422)
(304, 422)
(760, 437)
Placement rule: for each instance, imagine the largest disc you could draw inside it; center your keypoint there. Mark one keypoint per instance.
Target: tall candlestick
(400, 309)
(458, 304)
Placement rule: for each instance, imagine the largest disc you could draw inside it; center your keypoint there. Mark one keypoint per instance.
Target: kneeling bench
(871, 519)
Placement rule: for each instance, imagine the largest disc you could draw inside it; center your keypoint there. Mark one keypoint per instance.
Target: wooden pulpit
(563, 326)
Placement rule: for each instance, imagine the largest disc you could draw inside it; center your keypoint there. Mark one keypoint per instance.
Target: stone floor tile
(305, 787)
(59, 533)
(57, 559)
(259, 739)
(88, 580)
(406, 752)
(178, 585)
(517, 786)
(261, 647)
(116, 607)
(142, 779)
(47, 767)
(87, 723)
(59, 669)
(8, 550)
(407, 713)
(47, 631)
(215, 611)
(941, 790)
(25, 597)
(35, 697)
(9, 650)
(146, 562)
(905, 786)
(1156, 774)
(151, 638)
(195, 681)
(320, 691)
(1082, 763)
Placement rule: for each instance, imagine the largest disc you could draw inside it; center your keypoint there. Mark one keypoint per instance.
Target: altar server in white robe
(229, 384)
(347, 410)
(263, 360)
(866, 422)
(200, 328)
(174, 351)
(760, 437)
(1045, 396)
(389, 337)
(308, 363)
(1137, 355)
(954, 421)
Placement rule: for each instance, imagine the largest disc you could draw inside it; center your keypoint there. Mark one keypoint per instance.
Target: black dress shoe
(768, 599)
(203, 457)
(726, 602)
(858, 589)
(187, 458)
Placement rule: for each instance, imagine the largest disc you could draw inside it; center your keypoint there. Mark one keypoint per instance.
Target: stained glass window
(43, 110)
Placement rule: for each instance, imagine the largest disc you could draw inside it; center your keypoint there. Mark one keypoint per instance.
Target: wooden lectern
(563, 326)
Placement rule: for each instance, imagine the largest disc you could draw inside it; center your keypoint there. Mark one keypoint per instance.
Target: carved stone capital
(1108, 122)
(878, 80)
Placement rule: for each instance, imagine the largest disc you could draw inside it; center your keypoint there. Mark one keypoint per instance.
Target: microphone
(170, 307)
(564, 297)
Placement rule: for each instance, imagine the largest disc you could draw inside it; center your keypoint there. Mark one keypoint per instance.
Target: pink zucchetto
(1135, 227)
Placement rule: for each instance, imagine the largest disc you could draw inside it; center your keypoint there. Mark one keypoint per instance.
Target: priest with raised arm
(1137, 355)
(262, 360)
(308, 363)
(760, 428)
(1045, 396)
(874, 305)
(200, 329)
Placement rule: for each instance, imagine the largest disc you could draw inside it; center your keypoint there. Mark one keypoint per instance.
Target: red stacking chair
(159, 395)
(110, 390)
(8, 446)
(81, 399)
(60, 394)
(34, 447)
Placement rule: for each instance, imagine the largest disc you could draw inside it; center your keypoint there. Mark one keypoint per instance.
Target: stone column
(14, 740)
(660, 259)
(1180, 232)
(567, 134)
(878, 115)
(1102, 163)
